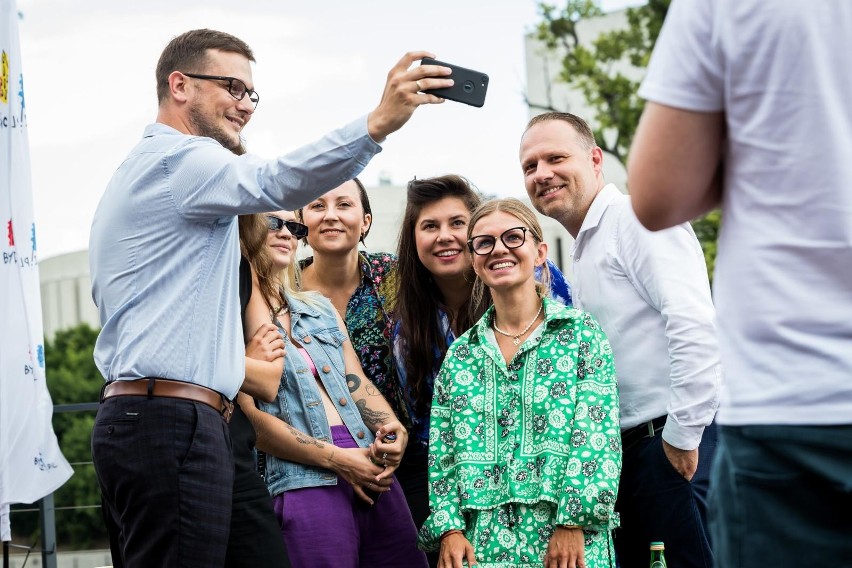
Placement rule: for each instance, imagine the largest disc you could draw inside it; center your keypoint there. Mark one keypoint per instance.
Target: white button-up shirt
(651, 295)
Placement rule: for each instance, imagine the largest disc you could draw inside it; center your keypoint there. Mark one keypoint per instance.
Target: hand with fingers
(402, 95)
(354, 465)
(388, 448)
(266, 344)
(455, 549)
(566, 548)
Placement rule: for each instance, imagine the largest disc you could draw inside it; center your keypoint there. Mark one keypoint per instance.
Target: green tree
(72, 377)
(606, 71)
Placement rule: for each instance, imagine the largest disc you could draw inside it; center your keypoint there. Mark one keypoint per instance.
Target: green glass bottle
(658, 555)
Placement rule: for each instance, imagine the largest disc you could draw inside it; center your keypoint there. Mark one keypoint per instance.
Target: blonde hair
(271, 283)
(517, 209)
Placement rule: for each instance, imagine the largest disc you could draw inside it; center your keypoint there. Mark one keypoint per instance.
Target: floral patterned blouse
(418, 418)
(369, 321)
(543, 428)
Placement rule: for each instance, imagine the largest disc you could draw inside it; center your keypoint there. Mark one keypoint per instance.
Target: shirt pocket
(331, 341)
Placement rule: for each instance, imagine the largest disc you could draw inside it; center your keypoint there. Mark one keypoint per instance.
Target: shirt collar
(554, 311)
(602, 200)
(158, 128)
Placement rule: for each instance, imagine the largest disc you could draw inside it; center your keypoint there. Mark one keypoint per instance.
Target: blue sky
(89, 66)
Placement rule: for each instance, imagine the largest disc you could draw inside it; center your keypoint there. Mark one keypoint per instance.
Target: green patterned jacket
(543, 428)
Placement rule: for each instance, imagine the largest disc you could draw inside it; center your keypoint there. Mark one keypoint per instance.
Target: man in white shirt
(749, 108)
(650, 292)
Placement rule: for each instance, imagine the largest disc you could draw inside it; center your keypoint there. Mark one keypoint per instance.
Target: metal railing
(46, 507)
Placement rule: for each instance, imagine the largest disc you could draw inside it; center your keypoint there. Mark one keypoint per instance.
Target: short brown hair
(587, 138)
(188, 52)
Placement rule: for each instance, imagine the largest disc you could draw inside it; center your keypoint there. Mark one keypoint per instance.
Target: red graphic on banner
(11, 234)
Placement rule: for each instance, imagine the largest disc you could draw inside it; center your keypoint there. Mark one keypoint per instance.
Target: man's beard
(202, 126)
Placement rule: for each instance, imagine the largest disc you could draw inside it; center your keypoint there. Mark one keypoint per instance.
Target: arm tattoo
(372, 418)
(353, 382)
(371, 390)
(303, 438)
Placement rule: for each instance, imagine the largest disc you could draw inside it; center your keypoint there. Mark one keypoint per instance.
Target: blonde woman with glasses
(524, 444)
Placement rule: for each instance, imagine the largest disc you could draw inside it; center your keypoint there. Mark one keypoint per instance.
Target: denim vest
(298, 402)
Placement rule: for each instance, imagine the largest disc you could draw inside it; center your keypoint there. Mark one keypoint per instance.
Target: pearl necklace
(516, 339)
(280, 310)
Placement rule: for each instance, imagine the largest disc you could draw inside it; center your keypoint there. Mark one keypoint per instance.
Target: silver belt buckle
(651, 432)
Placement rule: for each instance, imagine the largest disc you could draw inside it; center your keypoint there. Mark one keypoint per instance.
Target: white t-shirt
(780, 71)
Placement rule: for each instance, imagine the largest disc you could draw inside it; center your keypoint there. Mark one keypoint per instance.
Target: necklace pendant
(516, 340)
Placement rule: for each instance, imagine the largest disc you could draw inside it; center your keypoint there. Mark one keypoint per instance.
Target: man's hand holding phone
(469, 86)
(402, 94)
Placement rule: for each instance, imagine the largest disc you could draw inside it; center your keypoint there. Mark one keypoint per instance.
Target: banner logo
(4, 78)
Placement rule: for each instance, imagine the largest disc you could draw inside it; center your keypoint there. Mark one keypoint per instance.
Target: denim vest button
(342, 401)
(326, 369)
(307, 339)
(360, 434)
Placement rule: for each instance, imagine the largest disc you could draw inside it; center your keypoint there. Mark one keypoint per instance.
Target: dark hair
(587, 137)
(188, 53)
(365, 205)
(418, 299)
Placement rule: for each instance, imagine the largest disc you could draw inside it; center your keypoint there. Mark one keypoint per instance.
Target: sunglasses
(296, 229)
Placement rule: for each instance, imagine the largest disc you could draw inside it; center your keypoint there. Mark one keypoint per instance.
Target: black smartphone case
(469, 87)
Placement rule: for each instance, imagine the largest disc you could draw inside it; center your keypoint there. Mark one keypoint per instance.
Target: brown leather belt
(171, 389)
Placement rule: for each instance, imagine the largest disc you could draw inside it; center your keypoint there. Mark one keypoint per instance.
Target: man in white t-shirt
(750, 107)
(651, 295)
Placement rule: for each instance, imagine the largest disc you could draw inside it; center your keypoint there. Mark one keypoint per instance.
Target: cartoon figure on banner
(4, 78)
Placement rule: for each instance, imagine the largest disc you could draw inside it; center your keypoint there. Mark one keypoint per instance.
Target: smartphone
(469, 88)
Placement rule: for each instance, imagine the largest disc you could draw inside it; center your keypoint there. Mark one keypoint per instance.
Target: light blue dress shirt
(164, 247)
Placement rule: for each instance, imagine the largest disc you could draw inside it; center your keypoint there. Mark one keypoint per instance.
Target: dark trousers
(255, 538)
(166, 474)
(413, 478)
(781, 496)
(656, 503)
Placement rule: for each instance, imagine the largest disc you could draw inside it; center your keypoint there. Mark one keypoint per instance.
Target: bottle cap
(657, 546)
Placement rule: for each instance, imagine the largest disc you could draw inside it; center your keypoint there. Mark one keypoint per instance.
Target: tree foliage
(72, 377)
(607, 70)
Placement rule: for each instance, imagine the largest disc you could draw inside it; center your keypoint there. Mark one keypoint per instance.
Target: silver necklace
(516, 339)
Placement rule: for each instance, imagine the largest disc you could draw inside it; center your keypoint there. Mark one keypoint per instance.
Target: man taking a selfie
(164, 259)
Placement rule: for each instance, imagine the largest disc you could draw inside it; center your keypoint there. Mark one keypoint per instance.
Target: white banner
(31, 465)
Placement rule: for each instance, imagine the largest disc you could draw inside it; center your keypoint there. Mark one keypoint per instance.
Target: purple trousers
(328, 527)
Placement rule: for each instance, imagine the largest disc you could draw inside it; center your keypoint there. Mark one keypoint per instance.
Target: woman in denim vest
(330, 477)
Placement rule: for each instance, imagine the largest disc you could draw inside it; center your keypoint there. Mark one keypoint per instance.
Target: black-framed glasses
(236, 87)
(296, 229)
(511, 239)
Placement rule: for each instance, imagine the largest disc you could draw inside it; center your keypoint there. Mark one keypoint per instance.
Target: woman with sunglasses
(524, 442)
(433, 308)
(329, 475)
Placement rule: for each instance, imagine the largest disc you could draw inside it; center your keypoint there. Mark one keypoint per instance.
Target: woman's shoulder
(311, 304)
(560, 315)
(379, 262)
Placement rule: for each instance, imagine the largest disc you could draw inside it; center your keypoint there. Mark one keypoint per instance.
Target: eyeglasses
(511, 239)
(236, 87)
(296, 229)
